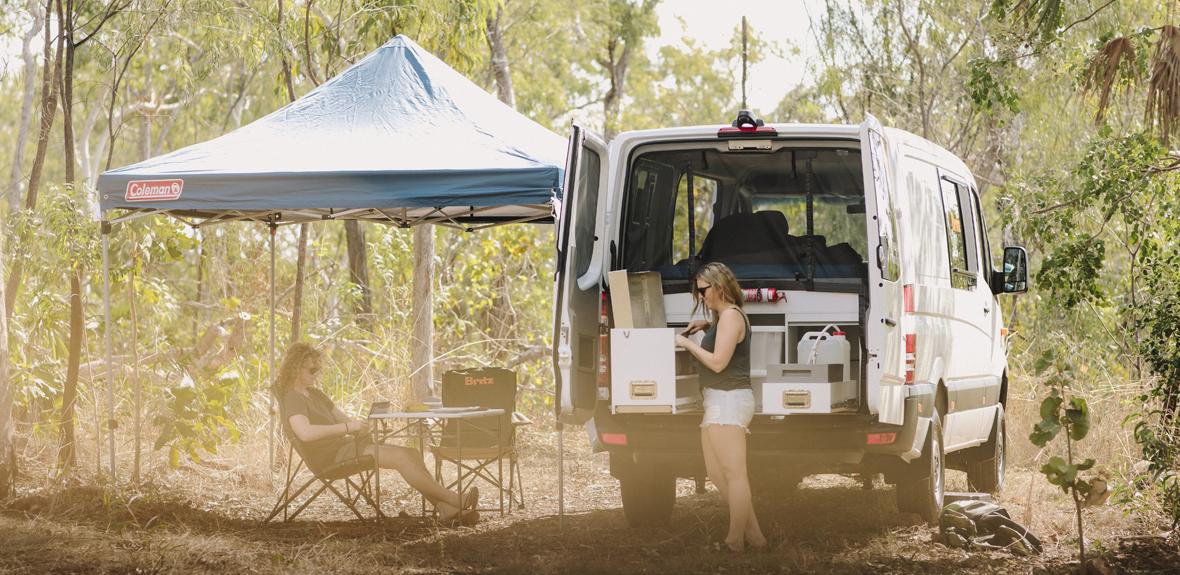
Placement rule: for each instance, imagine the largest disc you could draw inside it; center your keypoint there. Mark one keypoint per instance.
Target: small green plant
(195, 418)
(1061, 411)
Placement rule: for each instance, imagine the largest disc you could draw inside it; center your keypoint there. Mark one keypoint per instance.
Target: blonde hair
(293, 359)
(721, 278)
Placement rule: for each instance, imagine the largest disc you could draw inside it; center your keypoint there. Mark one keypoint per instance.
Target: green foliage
(988, 88)
(1059, 412)
(195, 418)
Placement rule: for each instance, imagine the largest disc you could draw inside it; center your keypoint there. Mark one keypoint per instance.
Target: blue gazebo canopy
(399, 137)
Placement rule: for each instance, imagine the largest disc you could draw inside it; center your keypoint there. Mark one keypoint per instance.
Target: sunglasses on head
(701, 290)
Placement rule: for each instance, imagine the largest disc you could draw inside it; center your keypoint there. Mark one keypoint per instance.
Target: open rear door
(885, 384)
(578, 287)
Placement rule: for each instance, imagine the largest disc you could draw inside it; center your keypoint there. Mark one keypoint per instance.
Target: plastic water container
(817, 347)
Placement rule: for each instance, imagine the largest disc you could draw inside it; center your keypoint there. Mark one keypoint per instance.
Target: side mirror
(1013, 278)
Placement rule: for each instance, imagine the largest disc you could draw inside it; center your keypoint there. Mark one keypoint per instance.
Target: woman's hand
(682, 341)
(696, 326)
(356, 427)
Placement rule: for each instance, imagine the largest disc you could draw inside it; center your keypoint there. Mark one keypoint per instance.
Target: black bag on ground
(970, 524)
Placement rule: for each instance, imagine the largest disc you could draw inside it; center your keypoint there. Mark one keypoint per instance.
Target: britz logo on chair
(153, 190)
(478, 380)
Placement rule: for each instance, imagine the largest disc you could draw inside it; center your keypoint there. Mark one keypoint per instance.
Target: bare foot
(737, 546)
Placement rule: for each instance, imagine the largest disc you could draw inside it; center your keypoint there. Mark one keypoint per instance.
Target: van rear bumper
(795, 444)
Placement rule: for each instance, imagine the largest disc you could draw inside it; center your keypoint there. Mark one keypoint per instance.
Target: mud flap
(891, 407)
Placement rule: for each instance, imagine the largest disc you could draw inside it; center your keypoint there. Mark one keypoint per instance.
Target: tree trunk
(422, 341)
(358, 268)
(48, 110)
(300, 271)
(7, 448)
(499, 52)
(26, 108)
(67, 93)
(66, 454)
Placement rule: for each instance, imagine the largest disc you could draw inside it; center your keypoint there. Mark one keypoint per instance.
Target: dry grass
(205, 518)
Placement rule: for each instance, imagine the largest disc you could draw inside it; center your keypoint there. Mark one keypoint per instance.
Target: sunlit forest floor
(206, 518)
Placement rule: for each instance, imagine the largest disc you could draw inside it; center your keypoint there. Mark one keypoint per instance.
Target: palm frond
(1163, 87)
(1104, 70)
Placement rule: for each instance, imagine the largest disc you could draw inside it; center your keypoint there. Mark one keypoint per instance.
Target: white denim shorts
(735, 407)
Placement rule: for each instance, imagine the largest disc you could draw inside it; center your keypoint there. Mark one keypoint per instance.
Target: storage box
(643, 373)
(805, 388)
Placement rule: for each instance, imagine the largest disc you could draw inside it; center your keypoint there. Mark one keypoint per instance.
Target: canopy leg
(270, 436)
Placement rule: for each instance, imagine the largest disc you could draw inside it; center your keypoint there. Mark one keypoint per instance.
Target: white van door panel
(883, 338)
(576, 289)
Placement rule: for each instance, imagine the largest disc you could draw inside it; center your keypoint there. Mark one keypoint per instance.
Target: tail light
(911, 339)
(880, 438)
(911, 353)
(604, 347)
(619, 439)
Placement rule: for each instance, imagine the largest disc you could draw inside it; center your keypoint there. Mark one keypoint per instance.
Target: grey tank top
(736, 375)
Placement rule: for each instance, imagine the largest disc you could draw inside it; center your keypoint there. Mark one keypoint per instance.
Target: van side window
(886, 213)
(586, 211)
(985, 248)
(956, 237)
(704, 193)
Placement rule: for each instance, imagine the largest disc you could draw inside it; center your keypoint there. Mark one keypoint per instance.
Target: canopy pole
(560, 477)
(106, 314)
(270, 436)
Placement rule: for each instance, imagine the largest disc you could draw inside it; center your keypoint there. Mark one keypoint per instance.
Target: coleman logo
(153, 190)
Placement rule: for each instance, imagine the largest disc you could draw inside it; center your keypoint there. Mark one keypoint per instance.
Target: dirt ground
(206, 519)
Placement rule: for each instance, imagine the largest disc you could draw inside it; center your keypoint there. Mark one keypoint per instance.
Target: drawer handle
(796, 399)
(643, 390)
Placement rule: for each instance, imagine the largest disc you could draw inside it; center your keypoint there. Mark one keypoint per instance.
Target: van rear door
(885, 379)
(577, 288)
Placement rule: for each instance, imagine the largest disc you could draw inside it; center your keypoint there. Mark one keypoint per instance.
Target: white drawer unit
(643, 373)
(799, 388)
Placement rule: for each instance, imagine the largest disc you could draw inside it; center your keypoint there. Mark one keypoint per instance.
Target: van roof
(898, 137)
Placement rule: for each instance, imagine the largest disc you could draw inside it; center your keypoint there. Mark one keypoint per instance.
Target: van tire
(648, 496)
(921, 490)
(986, 464)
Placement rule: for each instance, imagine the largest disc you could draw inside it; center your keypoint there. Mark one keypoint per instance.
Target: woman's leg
(408, 463)
(712, 465)
(729, 443)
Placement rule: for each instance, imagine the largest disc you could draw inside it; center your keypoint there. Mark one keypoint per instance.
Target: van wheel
(921, 490)
(986, 463)
(648, 496)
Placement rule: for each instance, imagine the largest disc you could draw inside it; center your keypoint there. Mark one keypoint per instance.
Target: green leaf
(1077, 417)
(1044, 432)
(1060, 473)
(1085, 465)
(1051, 406)
(174, 457)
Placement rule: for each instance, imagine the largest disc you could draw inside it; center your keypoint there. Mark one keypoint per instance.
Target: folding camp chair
(483, 452)
(354, 488)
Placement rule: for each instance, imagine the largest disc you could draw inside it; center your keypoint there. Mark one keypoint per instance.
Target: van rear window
(792, 214)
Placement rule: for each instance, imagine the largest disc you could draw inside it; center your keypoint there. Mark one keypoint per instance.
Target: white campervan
(868, 244)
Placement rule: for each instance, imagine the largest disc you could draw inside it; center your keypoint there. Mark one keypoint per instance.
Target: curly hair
(293, 359)
(721, 278)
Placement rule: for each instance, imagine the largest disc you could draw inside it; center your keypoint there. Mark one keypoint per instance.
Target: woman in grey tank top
(724, 355)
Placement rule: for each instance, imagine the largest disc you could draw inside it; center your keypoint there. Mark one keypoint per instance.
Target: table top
(437, 413)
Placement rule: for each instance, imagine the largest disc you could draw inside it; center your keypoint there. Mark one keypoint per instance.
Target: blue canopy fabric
(398, 137)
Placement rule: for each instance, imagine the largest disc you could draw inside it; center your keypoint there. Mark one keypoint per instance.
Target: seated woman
(329, 437)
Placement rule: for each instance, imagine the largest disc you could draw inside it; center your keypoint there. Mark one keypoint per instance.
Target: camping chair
(483, 453)
(354, 488)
